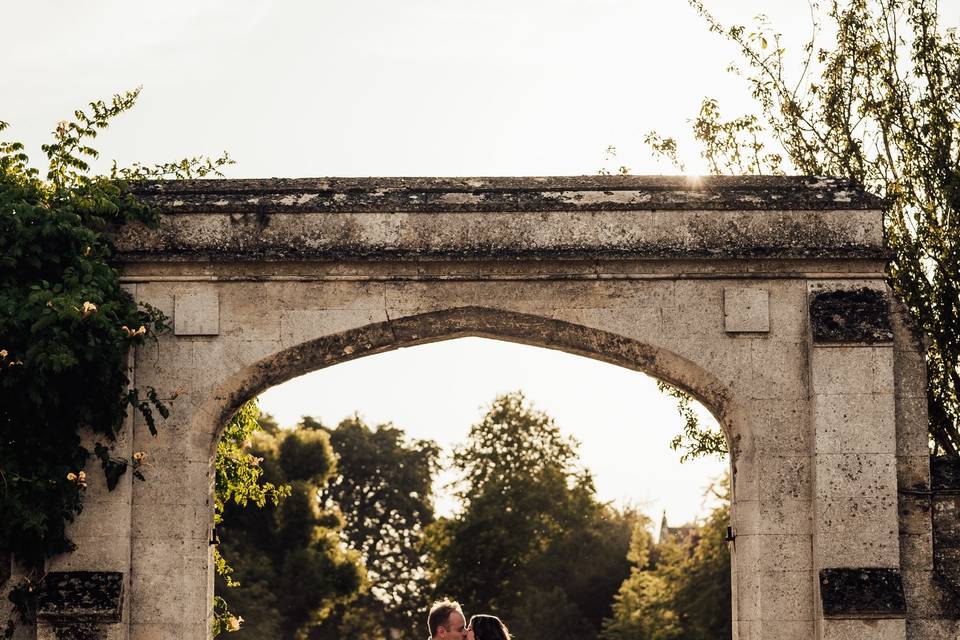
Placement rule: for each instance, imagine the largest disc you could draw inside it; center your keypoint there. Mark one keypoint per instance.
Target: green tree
(695, 440)
(290, 568)
(642, 608)
(580, 571)
(676, 590)
(531, 533)
(703, 597)
(384, 488)
(879, 106)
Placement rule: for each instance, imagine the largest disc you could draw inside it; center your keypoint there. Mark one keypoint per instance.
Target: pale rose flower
(131, 333)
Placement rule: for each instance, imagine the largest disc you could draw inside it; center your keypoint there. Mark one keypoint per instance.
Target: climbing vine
(66, 328)
(238, 480)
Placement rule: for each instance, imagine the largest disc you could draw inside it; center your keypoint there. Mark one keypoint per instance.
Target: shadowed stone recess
(81, 597)
(79, 631)
(945, 473)
(862, 592)
(861, 315)
(945, 482)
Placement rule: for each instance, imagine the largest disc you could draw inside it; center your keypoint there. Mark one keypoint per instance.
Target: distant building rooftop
(686, 534)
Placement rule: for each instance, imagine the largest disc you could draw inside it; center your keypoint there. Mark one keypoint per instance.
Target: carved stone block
(857, 593)
(746, 309)
(81, 597)
(197, 313)
(859, 315)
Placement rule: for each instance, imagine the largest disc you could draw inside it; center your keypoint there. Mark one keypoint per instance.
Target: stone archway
(459, 322)
(764, 297)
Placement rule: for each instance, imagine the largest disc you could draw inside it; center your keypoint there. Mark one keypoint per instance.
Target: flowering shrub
(66, 327)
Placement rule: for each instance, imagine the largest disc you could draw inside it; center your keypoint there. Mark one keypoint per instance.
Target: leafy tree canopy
(676, 589)
(878, 105)
(384, 489)
(531, 533)
(289, 567)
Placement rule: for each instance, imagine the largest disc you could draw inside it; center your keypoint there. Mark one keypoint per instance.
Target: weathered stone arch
(763, 296)
(460, 322)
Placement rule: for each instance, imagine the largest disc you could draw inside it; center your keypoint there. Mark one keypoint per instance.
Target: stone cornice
(565, 193)
(590, 217)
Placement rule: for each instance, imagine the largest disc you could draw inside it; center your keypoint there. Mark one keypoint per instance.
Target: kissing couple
(447, 622)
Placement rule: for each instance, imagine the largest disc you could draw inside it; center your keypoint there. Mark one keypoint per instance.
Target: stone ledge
(608, 233)
(565, 193)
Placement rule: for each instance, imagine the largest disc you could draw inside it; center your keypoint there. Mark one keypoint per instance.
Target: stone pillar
(771, 550)
(171, 591)
(945, 501)
(856, 549)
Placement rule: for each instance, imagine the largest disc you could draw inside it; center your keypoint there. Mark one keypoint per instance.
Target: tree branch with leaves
(878, 106)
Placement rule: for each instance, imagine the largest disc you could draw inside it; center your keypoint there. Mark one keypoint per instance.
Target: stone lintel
(80, 597)
(577, 218)
(844, 316)
(862, 593)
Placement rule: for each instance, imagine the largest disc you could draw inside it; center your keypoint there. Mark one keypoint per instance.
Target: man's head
(446, 621)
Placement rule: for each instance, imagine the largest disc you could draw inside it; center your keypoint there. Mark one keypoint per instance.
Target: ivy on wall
(66, 328)
(238, 480)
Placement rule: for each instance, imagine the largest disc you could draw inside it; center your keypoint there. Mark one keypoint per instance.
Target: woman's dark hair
(488, 628)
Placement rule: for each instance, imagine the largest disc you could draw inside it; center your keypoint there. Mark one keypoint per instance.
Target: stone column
(171, 592)
(771, 558)
(856, 549)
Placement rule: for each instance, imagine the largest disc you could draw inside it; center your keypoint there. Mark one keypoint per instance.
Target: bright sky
(438, 390)
(377, 87)
(416, 87)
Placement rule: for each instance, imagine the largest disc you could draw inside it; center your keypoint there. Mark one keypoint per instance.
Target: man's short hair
(440, 615)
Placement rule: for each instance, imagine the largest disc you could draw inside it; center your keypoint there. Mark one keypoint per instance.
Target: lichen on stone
(859, 315)
(80, 596)
(859, 592)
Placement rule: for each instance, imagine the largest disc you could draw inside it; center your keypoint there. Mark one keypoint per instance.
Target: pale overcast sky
(438, 390)
(407, 88)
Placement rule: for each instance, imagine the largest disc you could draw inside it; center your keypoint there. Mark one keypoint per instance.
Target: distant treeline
(345, 544)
